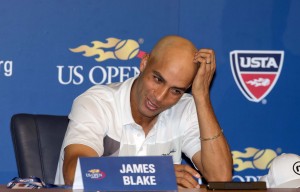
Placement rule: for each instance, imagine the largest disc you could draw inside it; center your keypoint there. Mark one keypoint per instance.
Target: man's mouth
(151, 106)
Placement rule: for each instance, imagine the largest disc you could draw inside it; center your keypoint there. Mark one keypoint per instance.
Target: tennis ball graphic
(126, 49)
(263, 158)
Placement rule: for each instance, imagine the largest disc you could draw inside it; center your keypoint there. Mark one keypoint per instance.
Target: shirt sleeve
(88, 123)
(191, 142)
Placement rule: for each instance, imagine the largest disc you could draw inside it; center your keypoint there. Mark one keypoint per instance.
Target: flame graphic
(253, 159)
(113, 48)
(94, 171)
(259, 82)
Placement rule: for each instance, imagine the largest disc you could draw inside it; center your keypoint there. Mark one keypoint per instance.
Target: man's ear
(144, 62)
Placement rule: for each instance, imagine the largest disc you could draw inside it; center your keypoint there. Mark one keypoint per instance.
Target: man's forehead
(175, 84)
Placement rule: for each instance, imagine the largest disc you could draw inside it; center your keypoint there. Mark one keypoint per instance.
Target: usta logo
(257, 62)
(256, 72)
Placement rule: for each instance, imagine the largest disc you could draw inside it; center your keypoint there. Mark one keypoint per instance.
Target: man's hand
(186, 176)
(205, 59)
(72, 152)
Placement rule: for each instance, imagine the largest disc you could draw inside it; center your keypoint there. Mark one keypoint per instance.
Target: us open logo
(96, 174)
(110, 49)
(256, 72)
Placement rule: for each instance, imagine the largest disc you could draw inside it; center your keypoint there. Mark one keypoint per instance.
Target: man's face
(162, 82)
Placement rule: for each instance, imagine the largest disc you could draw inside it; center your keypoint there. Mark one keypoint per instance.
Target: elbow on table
(222, 176)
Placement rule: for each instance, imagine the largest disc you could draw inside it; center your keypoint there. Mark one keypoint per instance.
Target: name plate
(125, 173)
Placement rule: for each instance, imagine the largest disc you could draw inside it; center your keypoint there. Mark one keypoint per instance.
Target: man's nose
(160, 93)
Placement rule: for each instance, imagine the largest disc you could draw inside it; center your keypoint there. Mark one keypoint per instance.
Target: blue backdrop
(41, 72)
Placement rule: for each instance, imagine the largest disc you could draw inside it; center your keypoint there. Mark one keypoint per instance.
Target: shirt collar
(124, 96)
(125, 89)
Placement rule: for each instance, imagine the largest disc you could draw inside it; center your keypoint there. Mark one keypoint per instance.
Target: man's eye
(177, 92)
(157, 79)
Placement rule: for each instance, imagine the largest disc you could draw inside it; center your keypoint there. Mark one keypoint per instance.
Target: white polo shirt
(101, 119)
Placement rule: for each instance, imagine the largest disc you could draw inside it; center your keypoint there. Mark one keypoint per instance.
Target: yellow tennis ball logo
(126, 49)
(263, 158)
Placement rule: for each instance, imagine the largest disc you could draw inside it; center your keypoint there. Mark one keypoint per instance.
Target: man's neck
(145, 122)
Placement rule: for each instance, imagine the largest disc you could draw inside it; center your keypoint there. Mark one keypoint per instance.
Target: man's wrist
(202, 99)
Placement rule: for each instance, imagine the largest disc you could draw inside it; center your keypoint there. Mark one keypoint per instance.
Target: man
(152, 115)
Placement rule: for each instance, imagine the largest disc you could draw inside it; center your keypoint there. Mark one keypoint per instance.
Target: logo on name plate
(96, 174)
(256, 72)
(113, 48)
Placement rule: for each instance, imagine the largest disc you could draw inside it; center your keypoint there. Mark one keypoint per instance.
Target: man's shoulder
(103, 90)
(186, 102)
(183, 109)
(107, 92)
(99, 90)
(186, 98)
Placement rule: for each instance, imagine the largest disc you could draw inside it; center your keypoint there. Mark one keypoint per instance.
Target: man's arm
(87, 124)
(214, 160)
(72, 152)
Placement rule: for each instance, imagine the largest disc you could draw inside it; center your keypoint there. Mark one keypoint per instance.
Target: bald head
(174, 44)
(173, 58)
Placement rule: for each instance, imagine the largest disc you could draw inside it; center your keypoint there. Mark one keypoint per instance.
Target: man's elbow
(222, 175)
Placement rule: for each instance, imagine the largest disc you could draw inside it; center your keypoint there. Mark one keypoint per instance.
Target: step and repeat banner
(52, 51)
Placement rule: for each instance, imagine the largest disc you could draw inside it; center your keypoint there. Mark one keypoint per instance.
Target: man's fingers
(185, 176)
(205, 56)
(188, 169)
(185, 179)
(185, 183)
